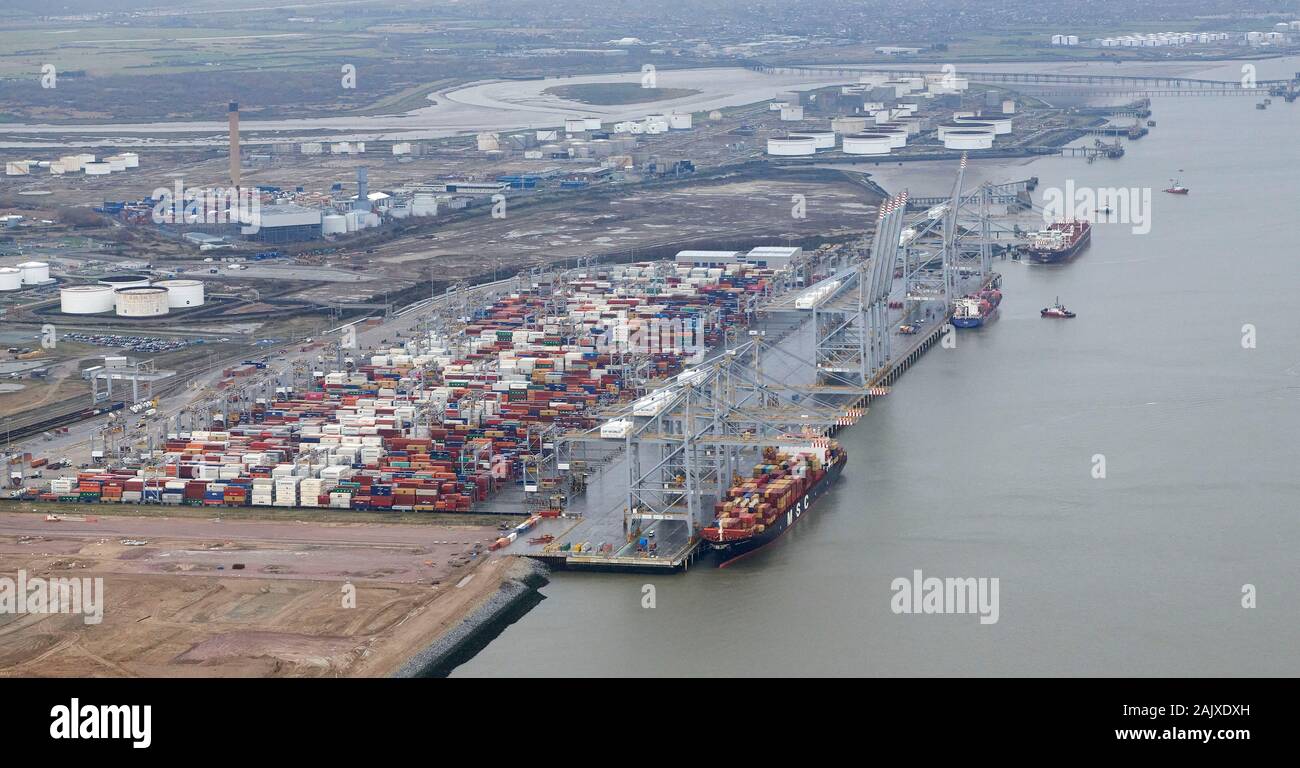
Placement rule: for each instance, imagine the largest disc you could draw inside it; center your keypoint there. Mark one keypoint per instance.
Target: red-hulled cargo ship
(781, 490)
(1061, 241)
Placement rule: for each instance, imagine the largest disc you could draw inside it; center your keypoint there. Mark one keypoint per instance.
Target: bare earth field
(175, 607)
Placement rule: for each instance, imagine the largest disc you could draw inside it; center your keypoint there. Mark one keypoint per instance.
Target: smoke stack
(233, 116)
(363, 191)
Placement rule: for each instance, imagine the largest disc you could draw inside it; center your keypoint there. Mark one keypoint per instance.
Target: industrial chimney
(233, 116)
(363, 191)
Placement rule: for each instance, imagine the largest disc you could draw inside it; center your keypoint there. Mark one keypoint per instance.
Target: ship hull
(967, 322)
(1065, 254)
(730, 551)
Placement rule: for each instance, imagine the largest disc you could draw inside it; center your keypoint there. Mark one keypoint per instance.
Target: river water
(980, 462)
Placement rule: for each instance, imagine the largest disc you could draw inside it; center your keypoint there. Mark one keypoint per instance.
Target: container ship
(973, 310)
(1061, 241)
(781, 489)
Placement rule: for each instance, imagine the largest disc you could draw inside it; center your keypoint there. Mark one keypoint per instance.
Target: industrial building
(773, 257)
(767, 257)
(287, 223)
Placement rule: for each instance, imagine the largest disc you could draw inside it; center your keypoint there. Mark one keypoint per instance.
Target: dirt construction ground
(175, 606)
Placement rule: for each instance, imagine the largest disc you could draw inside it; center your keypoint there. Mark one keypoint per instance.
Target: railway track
(74, 410)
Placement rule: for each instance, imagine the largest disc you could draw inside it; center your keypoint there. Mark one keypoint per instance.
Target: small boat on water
(1176, 188)
(1056, 310)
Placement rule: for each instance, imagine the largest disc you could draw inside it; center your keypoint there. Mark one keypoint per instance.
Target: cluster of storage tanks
(25, 274)
(337, 148)
(864, 140)
(889, 130)
(130, 296)
(1153, 40)
(934, 84)
(85, 163)
(352, 221)
(1276, 37)
(654, 124)
(968, 131)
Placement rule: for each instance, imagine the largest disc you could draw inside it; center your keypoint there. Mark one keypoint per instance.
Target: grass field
(603, 94)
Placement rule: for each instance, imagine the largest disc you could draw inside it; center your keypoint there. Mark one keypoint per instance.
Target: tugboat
(1176, 188)
(1056, 310)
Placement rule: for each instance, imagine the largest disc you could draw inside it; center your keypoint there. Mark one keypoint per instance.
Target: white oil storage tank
(679, 121)
(968, 138)
(85, 299)
(125, 281)
(141, 302)
(964, 125)
(844, 125)
(896, 133)
(35, 272)
(791, 146)
(333, 224)
(11, 279)
(821, 139)
(1001, 125)
(868, 144)
(182, 293)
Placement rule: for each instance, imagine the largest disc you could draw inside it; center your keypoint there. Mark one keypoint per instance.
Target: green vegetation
(603, 94)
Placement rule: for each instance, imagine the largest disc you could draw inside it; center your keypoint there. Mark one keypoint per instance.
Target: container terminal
(608, 407)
